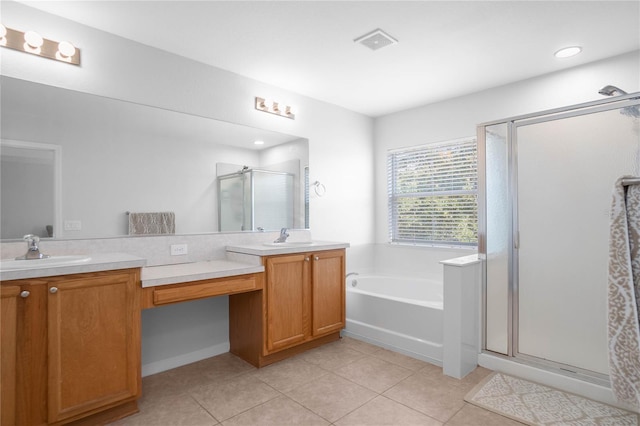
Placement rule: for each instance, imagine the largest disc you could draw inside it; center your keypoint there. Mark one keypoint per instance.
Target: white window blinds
(433, 194)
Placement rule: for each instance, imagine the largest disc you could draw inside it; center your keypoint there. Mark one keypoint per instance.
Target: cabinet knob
(25, 294)
(53, 290)
(306, 259)
(316, 258)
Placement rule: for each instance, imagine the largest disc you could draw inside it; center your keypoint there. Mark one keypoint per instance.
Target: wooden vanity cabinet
(8, 337)
(302, 306)
(77, 350)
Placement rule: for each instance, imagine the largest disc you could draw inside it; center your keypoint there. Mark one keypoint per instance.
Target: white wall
(457, 118)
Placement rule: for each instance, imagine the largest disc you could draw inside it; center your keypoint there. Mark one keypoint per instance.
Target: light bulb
(291, 110)
(66, 49)
(33, 39)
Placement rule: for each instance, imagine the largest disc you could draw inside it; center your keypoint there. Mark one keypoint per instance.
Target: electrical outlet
(178, 249)
(72, 225)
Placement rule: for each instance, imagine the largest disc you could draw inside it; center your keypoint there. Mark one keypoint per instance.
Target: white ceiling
(445, 49)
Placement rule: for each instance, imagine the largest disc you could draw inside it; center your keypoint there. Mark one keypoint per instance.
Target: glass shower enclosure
(545, 188)
(254, 199)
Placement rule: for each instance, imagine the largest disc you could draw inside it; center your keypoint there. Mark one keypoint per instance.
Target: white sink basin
(290, 244)
(12, 264)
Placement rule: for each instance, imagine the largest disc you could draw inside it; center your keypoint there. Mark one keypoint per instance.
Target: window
(433, 194)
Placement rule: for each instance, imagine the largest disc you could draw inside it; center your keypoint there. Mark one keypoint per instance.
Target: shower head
(611, 91)
(630, 111)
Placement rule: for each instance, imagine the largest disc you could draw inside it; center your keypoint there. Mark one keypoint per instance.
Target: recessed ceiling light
(567, 52)
(258, 142)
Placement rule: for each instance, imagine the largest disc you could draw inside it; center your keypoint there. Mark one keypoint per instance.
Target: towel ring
(319, 188)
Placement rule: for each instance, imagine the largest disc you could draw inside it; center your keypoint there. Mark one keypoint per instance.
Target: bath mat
(535, 404)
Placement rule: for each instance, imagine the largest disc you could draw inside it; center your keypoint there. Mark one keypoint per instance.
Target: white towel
(152, 223)
(624, 294)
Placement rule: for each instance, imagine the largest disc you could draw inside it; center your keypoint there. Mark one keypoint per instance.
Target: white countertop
(268, 249)
(186, 272)
(94, 263)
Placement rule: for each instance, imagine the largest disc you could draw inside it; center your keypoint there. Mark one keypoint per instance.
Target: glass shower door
(566, 169)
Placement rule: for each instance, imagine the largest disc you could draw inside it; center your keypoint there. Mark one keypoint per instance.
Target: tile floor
(347, 382)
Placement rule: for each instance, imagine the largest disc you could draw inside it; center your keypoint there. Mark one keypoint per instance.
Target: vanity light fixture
(275, 107)
(34, 43)
(567, 52)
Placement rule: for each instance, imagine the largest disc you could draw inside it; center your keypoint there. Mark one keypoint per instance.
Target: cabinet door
(8, 340)
(328, 292)
(287, 301)
(94, 343)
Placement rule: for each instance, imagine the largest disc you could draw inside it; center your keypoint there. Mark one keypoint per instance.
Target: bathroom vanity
(302, 305)
(283, 298)
(71, 340)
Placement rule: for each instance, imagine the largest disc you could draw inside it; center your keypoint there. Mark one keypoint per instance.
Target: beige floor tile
(400, 359)
(464, 385)
(422, 393)
(159, 387)
(331, 396)
(178, 411)
(476, 376)
(382, 411)
(374, 373)
(471, 415)
(332, 356)
(288, 374)
(440, 380)
(278, 411)
(359, 345)
(224, 366)
(429, 368)
(226, 399)
(202, 373)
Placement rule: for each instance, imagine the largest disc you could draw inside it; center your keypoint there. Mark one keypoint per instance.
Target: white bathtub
(399, 313)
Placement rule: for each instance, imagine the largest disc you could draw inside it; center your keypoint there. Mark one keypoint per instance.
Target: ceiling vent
(376, 39)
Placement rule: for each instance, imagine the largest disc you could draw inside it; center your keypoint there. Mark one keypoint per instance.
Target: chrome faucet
(33, 251)
(283, 236)
(354, 282)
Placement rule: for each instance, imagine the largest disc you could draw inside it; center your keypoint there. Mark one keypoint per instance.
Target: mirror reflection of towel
(152, 223)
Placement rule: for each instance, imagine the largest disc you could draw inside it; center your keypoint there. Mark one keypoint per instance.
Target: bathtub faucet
(354, 282)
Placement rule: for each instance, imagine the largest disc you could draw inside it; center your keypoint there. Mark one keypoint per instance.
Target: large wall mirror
(75, 164)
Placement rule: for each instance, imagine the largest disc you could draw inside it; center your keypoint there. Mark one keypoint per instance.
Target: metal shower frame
(512, 125)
